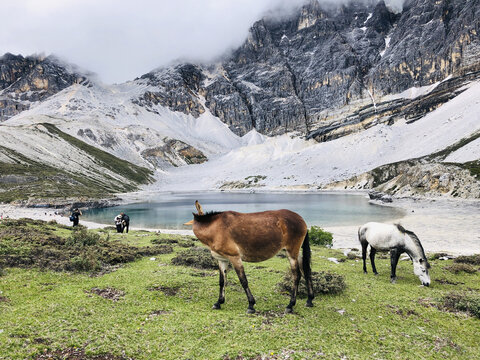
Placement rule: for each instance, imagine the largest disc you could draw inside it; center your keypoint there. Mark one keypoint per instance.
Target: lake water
(170, 211)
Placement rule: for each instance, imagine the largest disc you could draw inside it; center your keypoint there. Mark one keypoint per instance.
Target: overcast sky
(121, 40)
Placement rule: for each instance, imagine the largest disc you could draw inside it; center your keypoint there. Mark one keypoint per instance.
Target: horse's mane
(415, 240)
(207, 217)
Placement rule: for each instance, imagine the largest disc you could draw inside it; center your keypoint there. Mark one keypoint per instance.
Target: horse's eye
(421, 261)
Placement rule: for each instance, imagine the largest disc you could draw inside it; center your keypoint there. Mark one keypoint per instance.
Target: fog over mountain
(121, 41)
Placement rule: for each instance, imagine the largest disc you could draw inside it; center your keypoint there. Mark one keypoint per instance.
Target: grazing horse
(236, 237)
(398, 240)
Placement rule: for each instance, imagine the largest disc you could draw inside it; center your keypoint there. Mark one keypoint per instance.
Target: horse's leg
(238, 266)
(373, 251)
(364, 256)
(394, 256)
(296, 281)
(222, 267)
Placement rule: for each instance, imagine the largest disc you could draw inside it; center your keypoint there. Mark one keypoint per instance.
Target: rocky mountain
(317, 75)
(314, 71)
(27, 80)
(432, 175)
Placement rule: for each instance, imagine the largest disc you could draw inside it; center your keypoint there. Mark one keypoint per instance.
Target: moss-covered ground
(150, 309)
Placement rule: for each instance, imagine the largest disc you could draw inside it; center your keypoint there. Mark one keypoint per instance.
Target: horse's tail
(361, 235)
(307, 269)
(306, 257)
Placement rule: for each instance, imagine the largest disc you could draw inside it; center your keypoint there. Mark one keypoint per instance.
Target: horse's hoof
(288, 310)
(309, 304)
(375, 274)
(216, 307)
(250, 311)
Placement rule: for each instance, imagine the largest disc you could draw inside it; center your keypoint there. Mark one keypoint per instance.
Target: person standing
(125, 221)
(76, 213)
(118, 223)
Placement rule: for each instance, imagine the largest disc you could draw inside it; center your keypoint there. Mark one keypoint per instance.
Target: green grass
(56, 310)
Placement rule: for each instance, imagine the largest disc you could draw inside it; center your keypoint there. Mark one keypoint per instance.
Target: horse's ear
(199, 207)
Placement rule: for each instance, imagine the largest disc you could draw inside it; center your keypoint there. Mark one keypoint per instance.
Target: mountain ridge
(319, 76)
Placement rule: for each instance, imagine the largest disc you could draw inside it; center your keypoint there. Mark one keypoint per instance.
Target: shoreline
(443, 225)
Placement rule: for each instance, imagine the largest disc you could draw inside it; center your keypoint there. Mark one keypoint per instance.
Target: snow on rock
(290, 162)
(107, 117)
(469, 152)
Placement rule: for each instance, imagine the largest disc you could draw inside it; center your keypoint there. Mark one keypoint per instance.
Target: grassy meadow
(122, 298)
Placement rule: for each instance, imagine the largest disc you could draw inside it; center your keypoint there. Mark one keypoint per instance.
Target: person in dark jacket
(119, 223)
(125, 221)
(76, 213)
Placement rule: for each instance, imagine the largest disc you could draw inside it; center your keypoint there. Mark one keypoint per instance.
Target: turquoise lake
(171, 210)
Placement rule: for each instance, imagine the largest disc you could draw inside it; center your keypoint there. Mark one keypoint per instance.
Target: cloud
(121, 40)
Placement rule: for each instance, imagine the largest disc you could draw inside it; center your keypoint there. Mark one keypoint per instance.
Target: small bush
(318, 236)
(472, 259)
(186, 243)
(197, 257)
(82, 237)
(164, 241)
(468, 302)
(353, 256)
(323, 283)
(459, 267)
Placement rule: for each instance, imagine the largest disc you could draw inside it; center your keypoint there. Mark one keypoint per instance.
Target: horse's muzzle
(426, 284)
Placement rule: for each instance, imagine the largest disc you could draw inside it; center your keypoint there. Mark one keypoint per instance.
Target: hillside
(39, 161)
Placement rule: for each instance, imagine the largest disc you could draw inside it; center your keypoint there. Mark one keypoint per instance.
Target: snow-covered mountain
(321, 97)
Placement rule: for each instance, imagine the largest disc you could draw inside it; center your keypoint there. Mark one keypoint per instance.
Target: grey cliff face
(24, 80)
(295, 74)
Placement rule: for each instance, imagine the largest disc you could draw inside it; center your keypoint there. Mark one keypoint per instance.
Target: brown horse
(235, 237)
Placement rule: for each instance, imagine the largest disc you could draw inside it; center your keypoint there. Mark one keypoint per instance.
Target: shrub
(472, 259)
(459, 267)
(82, 237)
(468, 302)
(323, 283)
(318, 236)
(197, 257)
(164, 241)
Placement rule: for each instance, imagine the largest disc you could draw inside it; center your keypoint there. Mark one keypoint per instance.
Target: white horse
(398, 240)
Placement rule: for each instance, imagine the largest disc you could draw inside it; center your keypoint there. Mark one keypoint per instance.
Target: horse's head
(420, 268)
(200, 212)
